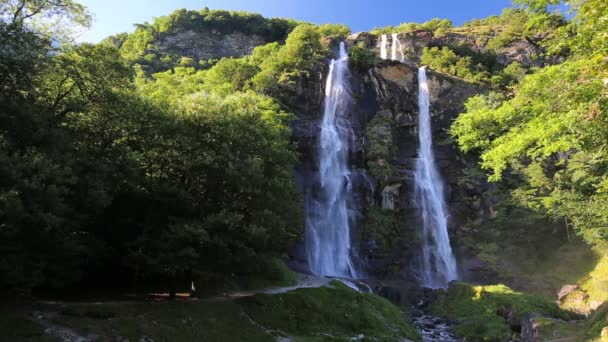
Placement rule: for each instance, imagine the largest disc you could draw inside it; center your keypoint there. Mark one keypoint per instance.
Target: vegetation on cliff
(550, 133)
(144, 45)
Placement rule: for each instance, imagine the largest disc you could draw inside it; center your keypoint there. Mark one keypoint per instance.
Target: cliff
(384, 118)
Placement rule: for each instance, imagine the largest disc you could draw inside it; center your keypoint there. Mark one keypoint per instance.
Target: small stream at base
(434, 329)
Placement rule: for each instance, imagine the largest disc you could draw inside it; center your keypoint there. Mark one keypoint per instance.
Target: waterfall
(438, 263)
(383, 52)
(396, 47)
(328, 228)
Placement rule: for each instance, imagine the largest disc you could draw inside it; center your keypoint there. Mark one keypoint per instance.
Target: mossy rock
(490, 312)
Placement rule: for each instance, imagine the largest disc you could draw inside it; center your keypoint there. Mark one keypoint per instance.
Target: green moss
(482, 311)
(334, 310)
(385, 228)
(380, 148)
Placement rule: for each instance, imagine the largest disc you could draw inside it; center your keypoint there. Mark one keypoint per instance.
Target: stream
(434, 329)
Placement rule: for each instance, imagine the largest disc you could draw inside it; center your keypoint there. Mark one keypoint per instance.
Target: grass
(595, 283)
(331, 313)
(483, 312)
(163, 321)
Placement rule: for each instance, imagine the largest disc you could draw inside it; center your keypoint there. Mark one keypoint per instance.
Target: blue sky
(115, 16)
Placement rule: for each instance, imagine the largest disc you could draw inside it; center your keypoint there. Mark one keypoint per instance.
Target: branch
(19, 10)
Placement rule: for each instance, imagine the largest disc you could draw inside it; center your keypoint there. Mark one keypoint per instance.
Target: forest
(128, 166)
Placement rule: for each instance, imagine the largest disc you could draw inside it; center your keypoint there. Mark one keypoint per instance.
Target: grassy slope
(332, 313)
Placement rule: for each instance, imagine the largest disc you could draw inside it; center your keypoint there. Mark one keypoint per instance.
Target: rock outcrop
(208, 44)
(412, 44)
(536, 328)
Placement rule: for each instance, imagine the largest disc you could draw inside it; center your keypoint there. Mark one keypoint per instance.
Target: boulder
(575, 299)
(566, 290)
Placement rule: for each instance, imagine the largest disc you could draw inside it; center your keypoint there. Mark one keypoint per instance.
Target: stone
(565, 290)
(575, 299)
(207, 44)
(536, 328)
(604, 334)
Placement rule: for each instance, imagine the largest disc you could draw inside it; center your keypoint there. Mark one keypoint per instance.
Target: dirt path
(302, 281)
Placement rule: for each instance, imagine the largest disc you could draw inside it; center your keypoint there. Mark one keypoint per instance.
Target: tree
(552, 132)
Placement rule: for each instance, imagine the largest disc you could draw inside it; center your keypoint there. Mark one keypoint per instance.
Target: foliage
(472, 67)
(483, 312)
(554, 142)
(334, 30)
(516, 23)
(437, 25)
(300, 57)
(361, 59)
(170, 180)
(552, 132)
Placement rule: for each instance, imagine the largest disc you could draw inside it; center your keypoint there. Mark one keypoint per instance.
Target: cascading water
(383, 50)
(328, 229)
(396, 48)
(438, 262)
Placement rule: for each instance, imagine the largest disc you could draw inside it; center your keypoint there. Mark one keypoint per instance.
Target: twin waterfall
(328, 227)
(396, 48)
(328, 238)
(438, 263)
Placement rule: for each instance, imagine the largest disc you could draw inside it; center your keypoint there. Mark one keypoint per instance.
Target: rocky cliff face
(526, 52)
(384, 119)
(208, 44)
